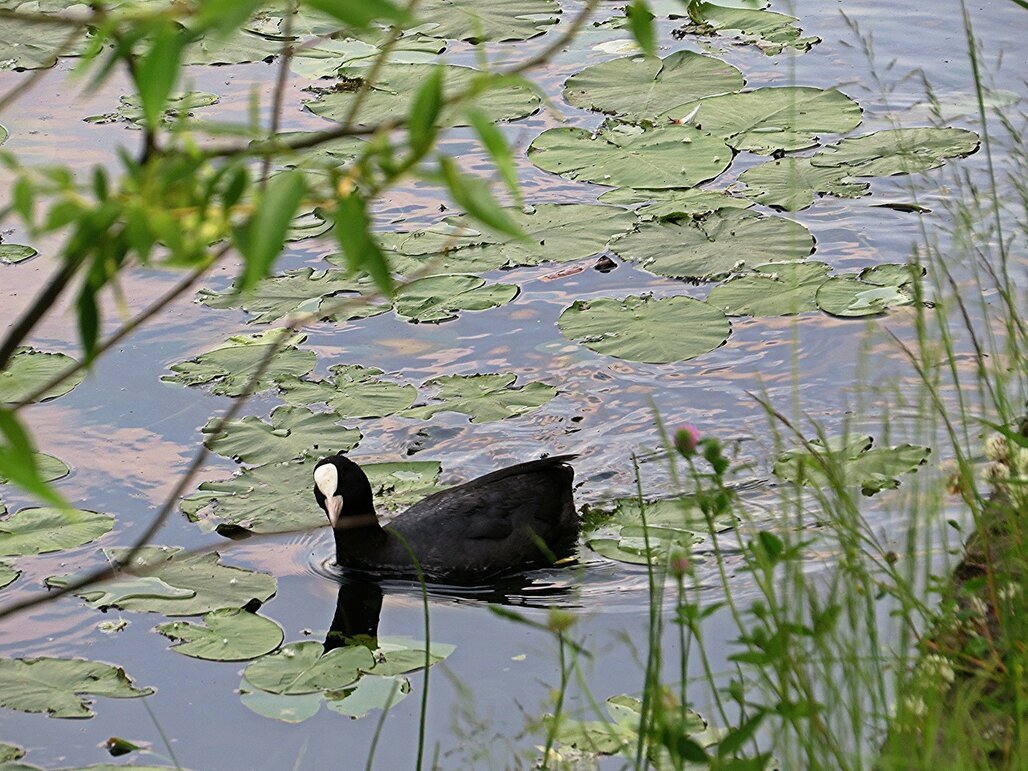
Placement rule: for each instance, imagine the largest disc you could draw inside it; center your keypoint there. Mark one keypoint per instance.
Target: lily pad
(238, 47)
(177, 107)
(634, 551)
(439, 298)
(4, 133)
(50, 468)
(396, 85)
(712, 247)
(9, 752)
(62, 687)
(853, 462)
(28, 369)
(674, 204)
(12, 254)
(304, 667)
(897, 151)
(228, 368)
(624, 155)
(294, 432)
(779, 289)
(190, 584)
(791, 184)
(646, 329)
(330, 55)
(44, 530)
(230, 634)
(870, 293)
(8, 573)
(479, 20)
(642, 87)
(27, 45)
(310, 224)
(400, 655)
(288, 709)
(370, 692)
(775, 118)
(353, 392)
(769, 31)
(484, 398)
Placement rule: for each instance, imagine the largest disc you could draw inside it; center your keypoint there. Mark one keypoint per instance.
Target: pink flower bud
(687, 438)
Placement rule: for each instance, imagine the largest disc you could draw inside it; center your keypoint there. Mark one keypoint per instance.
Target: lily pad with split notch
(778, 289)
(8, 573)
(897, 151)
(848, 461)
(792, 184)
(28, 369)
(872, 292)
(352, 392)
(477, 21)
(483, 398)
(769, 31)
(369, 693)
(672, 203)
(229, 634)
(45, 530)
(62, 687)
(294, 432)
(176, 108)
(434, 299)
(305, 667)
(645, 328)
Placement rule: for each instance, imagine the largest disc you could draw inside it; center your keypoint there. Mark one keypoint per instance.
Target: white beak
(334, 507)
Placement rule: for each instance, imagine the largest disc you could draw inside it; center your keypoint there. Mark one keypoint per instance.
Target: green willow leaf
(261, 238)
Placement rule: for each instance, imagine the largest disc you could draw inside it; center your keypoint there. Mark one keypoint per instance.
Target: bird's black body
(513, 519)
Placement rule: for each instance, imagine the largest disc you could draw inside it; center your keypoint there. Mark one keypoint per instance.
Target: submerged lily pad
(852, 461)
(176, 108)
(229, 367)
(62, 687)
(439, 298)
(792, 184)
(642, 87)
(230, 634)
(44, 530)
(480, 20)
(674, 204)
(12, 254)
(28, 369)
(305, 667)
(294, 432)
(353, 392)
(712, 247)
(897, 151)
(177, 585)
(779, 289)
(8, 573)
(646, 329)
(484, 398)
(396, 85)
(774, 118)
(769, 31)
(370, 692)
(870, 293)
(623, 155)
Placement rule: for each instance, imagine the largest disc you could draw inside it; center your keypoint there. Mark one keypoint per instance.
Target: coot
(519, 517)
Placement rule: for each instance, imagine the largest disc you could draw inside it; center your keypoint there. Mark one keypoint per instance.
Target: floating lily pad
(396, 85)
(634, 550)
(288, 709)
(480, 20)
(792, 184)
(32, 45)
(330, 55)
(238, 47)
(775, 118)
(674, 204)
(439, 298)
(897, 151)
(9, 752)
(229, 367)
(353, 392)
(28, 369)
(622, 155)
(370, 692)
(39, 531)
(484, 397)
(12, 254)
(8, 573)
(712, 247)
(310, 224)
(304, 667)
(769, 31)
(176, 108)
(50, 468)
(400, 655)
(230, 634)
(294, 432)
(179, 585)
(852, 462)
(779, 289)
(642, 87)
(646, 329)
(62, 687)
(870, 293)
(4, 133)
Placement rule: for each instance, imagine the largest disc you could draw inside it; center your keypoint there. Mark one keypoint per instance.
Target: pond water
(127, 435)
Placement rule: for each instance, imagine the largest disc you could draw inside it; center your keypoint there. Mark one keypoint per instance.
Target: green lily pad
(9, 752)
(28, 369)
(238, 47)
(622, 155)
(853, 462)
(276, 706)
(353, 392)
(870, 293)
(400, 655)
(230, 634)
(4, 133)
(8, 573)
(484, 398)
(642, 87)
(769, 31)
(674, 204)
(32, 45)
(44, 530)
(12, 254)
(229, 367)
(646, 329)
(396, 85)
(480, 20)
(294, 432)
(177, 107)
(310, 224)
(634, 551)
(185, 585)
(304, 667)
(439, 298)
(779, 289)
(775, 118)
(61, 687)
(50, 468)
(897, 151)
(791, 184)
(330, 55)
(726, 241)
(371, 692)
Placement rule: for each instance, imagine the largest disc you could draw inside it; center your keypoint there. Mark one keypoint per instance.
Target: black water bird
(513, 519)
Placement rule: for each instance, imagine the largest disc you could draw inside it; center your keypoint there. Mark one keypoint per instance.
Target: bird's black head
(342, 489)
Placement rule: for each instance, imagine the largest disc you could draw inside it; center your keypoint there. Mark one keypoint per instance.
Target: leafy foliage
(850, 461)
(778, 289)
